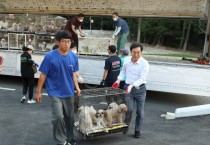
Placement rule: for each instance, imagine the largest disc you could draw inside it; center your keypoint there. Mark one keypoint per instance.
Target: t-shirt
(59, 70)
(123, 58)
(123, 24)
(112, 64)
(26, 65)
(73, 21)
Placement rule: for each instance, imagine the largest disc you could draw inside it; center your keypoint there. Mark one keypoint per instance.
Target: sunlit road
(23, 124)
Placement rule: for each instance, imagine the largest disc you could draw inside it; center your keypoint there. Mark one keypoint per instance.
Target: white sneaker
(23, 99)
(31, 101)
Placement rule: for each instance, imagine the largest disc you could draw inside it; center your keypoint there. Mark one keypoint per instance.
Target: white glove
(80, 80)
(128, 90)
(113, 37)
(82, 34)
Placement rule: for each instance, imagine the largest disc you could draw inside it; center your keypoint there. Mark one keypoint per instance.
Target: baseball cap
(30, 47)
(112, 48)
(124, 51)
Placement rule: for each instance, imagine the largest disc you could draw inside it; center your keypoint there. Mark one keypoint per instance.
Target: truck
(39, 30)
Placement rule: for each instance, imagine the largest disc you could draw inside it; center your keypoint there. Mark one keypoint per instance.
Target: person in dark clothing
(73, 24)
(27, 73)
(111, 69)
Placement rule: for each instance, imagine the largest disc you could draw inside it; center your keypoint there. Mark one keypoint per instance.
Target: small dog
(92, 112)
(113, 105)
(108, 117)
(99, 118)
(85, 121)
(122, 108)
(114, 115)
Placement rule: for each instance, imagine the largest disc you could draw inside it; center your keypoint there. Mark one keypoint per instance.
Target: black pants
(28, 84)
(76, 40)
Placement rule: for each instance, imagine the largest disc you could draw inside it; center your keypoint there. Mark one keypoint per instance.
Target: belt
(139, 86)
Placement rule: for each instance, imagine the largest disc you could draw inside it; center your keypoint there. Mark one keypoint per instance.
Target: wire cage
(101, 112)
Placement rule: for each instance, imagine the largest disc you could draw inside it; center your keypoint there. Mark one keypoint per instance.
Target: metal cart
(99, 98)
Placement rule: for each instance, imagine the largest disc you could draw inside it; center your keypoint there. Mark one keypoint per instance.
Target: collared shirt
(136, 73)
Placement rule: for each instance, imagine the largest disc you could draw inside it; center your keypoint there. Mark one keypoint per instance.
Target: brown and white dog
(99, 118)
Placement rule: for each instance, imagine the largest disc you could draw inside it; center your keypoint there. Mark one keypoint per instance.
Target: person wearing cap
(136, 71)
(27, 73)
(58, 71)
(121, 30)
(123, 58)
(73, 24)
(111, 68)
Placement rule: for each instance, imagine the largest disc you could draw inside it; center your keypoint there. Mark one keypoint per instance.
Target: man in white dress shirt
(136, 70)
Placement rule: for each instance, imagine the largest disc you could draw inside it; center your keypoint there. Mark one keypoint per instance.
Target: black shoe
(137, 134)
(72, 142)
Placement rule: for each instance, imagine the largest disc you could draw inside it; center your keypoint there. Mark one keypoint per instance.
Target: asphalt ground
(24, 124)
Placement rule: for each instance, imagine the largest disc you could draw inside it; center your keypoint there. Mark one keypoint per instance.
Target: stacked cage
(101, 111)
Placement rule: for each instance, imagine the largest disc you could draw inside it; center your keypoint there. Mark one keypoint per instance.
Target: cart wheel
(125, 131)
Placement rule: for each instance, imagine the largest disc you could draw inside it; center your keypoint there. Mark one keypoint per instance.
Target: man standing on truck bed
(73, 24)
(122, 30)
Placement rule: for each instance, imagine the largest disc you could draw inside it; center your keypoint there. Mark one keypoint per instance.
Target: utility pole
(139, 31)
(206, 48)
(187, 36)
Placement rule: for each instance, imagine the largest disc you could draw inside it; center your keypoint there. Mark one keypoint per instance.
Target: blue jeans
(137, 96)
(63, 119)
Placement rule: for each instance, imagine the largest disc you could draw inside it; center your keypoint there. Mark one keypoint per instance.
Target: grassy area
(175, 55)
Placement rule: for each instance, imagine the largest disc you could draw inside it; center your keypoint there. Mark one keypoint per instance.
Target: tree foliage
(166, 32)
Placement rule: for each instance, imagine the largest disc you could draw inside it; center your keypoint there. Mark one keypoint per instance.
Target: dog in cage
(85, 120)
(115, 113)
(113, 105)
(99, 118)
(122, 108)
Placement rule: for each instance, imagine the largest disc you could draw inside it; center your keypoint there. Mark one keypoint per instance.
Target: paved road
(23, 124)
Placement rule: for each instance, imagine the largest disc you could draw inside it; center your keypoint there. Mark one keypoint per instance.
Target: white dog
(85, 121)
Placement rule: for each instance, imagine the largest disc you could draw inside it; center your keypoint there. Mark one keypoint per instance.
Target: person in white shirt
(136, 70)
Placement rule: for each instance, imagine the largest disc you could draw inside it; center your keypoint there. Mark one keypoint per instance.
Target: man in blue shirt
(58, 71)
(122, 30)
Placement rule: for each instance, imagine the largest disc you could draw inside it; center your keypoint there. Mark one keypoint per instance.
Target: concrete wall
(143, 8)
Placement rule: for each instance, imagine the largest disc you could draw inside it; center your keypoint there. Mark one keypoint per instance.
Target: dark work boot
(137, 134)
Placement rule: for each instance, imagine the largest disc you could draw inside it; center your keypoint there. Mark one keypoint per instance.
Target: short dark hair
(24, 48)
(115, 13)
(63, 34)
(80, 15)
(73, 45)
(135, 45)
(55, 47)
(112, 48)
